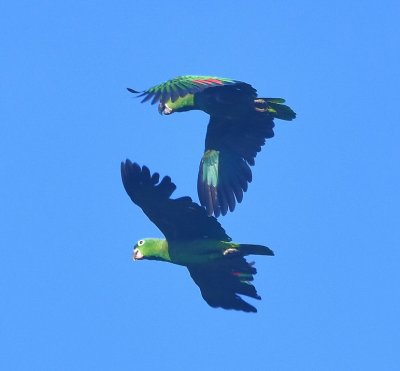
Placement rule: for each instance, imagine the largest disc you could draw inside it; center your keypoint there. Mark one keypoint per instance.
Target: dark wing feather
(223, 281)
(181, 86)
(228, 100)
(177, 219)
(238, 141)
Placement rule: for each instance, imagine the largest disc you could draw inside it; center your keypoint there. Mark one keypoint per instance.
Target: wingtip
(271, 253)
(132, 91)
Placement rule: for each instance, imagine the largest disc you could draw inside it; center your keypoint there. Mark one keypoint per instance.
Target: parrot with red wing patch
(240, 122)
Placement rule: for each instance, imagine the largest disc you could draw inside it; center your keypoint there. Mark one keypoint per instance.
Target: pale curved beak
(163, 109)
(137, 255)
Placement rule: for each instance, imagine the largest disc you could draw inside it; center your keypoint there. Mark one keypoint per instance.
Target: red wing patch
(208, 81)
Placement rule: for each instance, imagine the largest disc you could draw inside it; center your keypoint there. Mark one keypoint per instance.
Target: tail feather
(247, 249)
(275, 107)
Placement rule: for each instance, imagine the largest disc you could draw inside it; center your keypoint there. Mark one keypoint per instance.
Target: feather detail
(180, 87)
(222, 282)
(179, 218)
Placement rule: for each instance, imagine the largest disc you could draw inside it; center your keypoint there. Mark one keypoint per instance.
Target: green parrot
(193, 239)
(240, 122)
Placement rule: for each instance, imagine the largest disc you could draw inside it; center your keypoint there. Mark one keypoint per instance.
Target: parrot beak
(163, 109)
(137, 255)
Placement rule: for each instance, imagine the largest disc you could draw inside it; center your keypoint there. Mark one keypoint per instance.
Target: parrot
(239, 124)
(193, 240)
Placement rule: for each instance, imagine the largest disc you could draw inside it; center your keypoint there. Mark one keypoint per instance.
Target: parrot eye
(140, 242)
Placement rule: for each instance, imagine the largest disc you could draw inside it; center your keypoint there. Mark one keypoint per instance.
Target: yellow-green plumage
(194, 240)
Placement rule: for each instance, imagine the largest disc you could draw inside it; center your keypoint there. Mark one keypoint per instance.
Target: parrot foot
(260, 105)
(230, 251)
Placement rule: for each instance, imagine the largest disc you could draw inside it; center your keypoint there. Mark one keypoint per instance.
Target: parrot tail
(275, 107)
(246, 249)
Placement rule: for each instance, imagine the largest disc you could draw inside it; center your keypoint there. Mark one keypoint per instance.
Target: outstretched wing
(230, 149)
(180, 87)
(223, 281)
(179, 218)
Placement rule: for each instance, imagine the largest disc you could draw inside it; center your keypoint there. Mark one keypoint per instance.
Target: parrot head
(149, 248)
(179, 104)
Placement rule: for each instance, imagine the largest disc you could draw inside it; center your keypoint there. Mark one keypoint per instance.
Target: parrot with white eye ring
(192, 239)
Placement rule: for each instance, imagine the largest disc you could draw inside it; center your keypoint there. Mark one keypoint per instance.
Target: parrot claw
(260, 105)
(230, 251)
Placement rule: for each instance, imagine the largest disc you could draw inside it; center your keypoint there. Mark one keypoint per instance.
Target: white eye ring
(140, 242)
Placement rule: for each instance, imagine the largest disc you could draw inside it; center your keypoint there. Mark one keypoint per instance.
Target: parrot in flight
(240, 122)
(193, 239)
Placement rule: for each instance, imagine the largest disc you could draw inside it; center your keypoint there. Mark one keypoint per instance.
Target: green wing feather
(180, 87)
(230, 149)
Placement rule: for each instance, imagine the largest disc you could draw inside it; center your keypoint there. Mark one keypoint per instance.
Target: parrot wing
(180, 87)
(231, 146)
(178, 219)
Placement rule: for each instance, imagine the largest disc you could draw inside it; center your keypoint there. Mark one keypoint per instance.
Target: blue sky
(325, 195)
